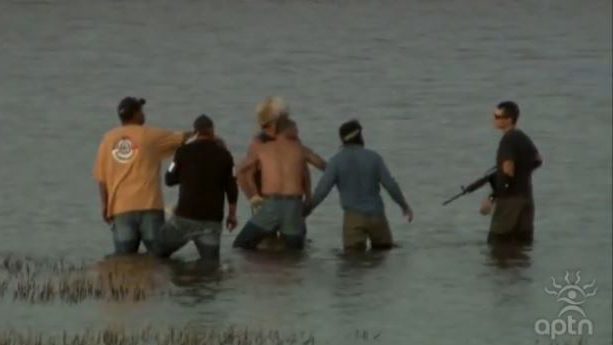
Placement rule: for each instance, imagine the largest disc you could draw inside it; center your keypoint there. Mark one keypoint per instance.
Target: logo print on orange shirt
(124, 150)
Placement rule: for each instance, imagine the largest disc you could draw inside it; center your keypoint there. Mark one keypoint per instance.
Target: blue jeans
(178, 231)
(283, 214)
(131, 227)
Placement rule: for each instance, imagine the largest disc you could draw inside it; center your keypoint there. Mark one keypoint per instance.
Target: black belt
(282, 196)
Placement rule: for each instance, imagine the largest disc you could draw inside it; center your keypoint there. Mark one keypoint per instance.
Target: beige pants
(358, 228)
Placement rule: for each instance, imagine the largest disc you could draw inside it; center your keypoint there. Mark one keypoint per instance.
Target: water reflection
(509, 255)
(193, 272)
(354, 275)
(196, 281)
(151, 276)
(353, 262)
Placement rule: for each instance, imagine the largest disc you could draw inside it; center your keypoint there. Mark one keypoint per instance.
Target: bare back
(282, 163)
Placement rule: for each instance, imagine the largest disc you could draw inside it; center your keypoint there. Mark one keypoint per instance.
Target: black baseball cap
(129, 105)
(349, 130)
(202, 123)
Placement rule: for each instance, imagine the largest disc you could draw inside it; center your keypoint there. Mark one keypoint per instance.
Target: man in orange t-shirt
(128, 173)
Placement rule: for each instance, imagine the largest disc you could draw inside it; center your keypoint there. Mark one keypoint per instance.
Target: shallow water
(422, 76)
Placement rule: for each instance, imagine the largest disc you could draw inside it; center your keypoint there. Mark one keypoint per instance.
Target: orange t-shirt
(129, 163)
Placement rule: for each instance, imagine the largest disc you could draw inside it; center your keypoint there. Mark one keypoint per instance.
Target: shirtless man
(283, 163)
(269, 112)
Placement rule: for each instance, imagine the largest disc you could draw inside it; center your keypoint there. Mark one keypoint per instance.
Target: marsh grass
(166, 336)
(14, 265)
(194, 335)
(116, 279)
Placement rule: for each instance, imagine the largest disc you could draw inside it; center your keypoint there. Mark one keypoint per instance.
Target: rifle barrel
(454, 198)
(473, 186)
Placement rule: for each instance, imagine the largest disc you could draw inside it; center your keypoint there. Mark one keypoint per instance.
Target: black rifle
(489, 176)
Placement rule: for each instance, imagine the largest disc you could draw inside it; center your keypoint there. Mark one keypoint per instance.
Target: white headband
(351, 135)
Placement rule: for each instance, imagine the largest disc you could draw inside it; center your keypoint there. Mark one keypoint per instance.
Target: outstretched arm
(249, 163)
(168, 142)
(391, 186)
(324, 186)
(314, 159)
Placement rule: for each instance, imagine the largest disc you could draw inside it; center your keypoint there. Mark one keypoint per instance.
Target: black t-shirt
(204, 171)
(516, 146)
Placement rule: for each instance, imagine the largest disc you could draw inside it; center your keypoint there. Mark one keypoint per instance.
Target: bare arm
(246, 181)
(251, 160)
(314, 159)
(249, 163)
(308, 195)
(246, 174)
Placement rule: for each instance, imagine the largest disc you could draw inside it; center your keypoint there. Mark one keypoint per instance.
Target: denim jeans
(282, 214)
(131, 227)
(178, 231)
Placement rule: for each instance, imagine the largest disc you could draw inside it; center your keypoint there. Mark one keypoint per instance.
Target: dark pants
(512, 221)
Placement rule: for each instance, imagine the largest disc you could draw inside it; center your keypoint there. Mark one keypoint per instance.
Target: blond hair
(270, 110)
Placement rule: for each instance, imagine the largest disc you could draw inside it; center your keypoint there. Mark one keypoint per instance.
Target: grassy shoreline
(119, 279)
(166, 336)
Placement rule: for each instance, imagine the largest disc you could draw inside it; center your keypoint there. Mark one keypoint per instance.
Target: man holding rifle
(516, 159)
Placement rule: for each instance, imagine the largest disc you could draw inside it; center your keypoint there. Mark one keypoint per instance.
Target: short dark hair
(128, 107)
(350, 132)
(203, 124)
(509, 109)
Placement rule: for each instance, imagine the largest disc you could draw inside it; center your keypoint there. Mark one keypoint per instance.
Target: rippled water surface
(422, 76)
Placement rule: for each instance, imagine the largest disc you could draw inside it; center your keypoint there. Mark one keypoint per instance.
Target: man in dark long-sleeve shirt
(203, 169)
(358, 174)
